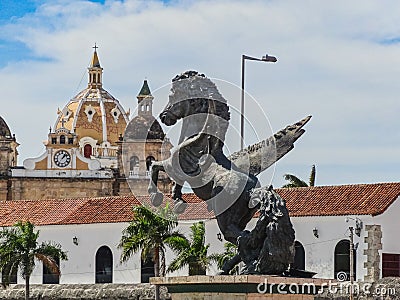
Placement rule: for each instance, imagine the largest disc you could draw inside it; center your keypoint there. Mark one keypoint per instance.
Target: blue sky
(338, 61)
(10, 11)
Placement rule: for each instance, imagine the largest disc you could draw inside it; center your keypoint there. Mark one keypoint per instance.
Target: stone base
(240, 287)
(106, 291)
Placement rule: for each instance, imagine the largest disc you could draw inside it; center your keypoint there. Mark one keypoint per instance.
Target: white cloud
(332, 63)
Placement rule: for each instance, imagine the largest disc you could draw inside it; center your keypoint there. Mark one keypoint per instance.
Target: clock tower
(83, 142)
(83, 154)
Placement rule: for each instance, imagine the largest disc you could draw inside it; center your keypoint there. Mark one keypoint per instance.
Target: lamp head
(269, 58)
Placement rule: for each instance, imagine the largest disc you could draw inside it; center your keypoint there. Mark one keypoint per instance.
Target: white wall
(331, 230)
(80, 268)
(390, 225)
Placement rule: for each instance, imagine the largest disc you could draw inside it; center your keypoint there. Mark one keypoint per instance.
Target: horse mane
(210, 92)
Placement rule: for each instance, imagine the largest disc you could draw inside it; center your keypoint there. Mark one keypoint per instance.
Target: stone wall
(4, 189)
(374, 244)
(19, 188)
(141, 291)
(59, 188)
(139, 186)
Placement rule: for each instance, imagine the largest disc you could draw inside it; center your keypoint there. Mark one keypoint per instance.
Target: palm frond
(178, 263)
(147, 231)
(294, 181)
(230, 250)
(19, 248)
(177, 242)
(49, 262)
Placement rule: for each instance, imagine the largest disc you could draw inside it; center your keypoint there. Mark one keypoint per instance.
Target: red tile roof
(359, 199)
(112, 209)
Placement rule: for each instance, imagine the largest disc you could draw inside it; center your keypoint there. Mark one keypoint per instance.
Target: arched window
(62, 139)
(104, 265)
(342, 260)
(12, 279)
(299, 256)
(147, 268)
(149, 161)
(133, 162)
(48, 276)
(87, 151)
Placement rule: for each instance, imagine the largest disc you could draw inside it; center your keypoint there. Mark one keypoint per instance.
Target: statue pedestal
(241, 287)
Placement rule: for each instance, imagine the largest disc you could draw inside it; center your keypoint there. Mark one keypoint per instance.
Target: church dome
(144, 128)
(4, 129)
(94, 112)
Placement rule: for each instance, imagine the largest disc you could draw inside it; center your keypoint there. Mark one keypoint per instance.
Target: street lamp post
(265, 58)
(351, 261)
(357, 231)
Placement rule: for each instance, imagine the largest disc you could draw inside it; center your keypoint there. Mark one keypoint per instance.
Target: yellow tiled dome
(94, 112)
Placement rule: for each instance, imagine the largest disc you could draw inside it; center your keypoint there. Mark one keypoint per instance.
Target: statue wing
(258, 157)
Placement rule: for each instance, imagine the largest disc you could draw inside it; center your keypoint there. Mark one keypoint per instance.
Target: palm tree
(230, 251)
(19, 248)
(191, 252)
(148, 232)
(297, 182)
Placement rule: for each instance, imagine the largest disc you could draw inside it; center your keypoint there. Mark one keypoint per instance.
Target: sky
(338, 61)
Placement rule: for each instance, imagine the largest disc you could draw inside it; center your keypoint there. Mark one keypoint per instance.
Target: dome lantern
(95, 71)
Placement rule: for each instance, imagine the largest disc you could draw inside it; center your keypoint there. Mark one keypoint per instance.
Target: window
(12, 279)
(104, 264)
(62, 139)
(342, 260)
(87, 151)
(299, 256)
(48, 276)
(133, 166)
(70, 141)
(133, 162)
(147, 268)
(390, 265)
(54, 141)
(149, 161)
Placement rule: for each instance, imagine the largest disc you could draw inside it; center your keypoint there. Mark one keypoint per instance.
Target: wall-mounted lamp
(358, 227)
(75, 240)
(315, 232)
(356, 246)
(219, 236)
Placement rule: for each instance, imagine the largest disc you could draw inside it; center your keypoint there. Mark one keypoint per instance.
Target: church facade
(94, 148)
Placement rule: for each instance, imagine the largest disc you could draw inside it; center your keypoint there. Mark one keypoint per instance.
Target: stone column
(374, 244)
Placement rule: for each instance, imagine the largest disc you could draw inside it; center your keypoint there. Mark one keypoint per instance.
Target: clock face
(62, 158)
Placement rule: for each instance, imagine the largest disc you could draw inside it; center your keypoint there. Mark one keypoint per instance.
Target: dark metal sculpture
(228, 184)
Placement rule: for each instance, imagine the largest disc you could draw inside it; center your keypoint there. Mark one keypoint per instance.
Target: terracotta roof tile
(360, 199)
(113, 209)
(357, 199)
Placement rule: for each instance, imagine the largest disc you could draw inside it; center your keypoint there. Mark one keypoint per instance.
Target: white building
(89, 229)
